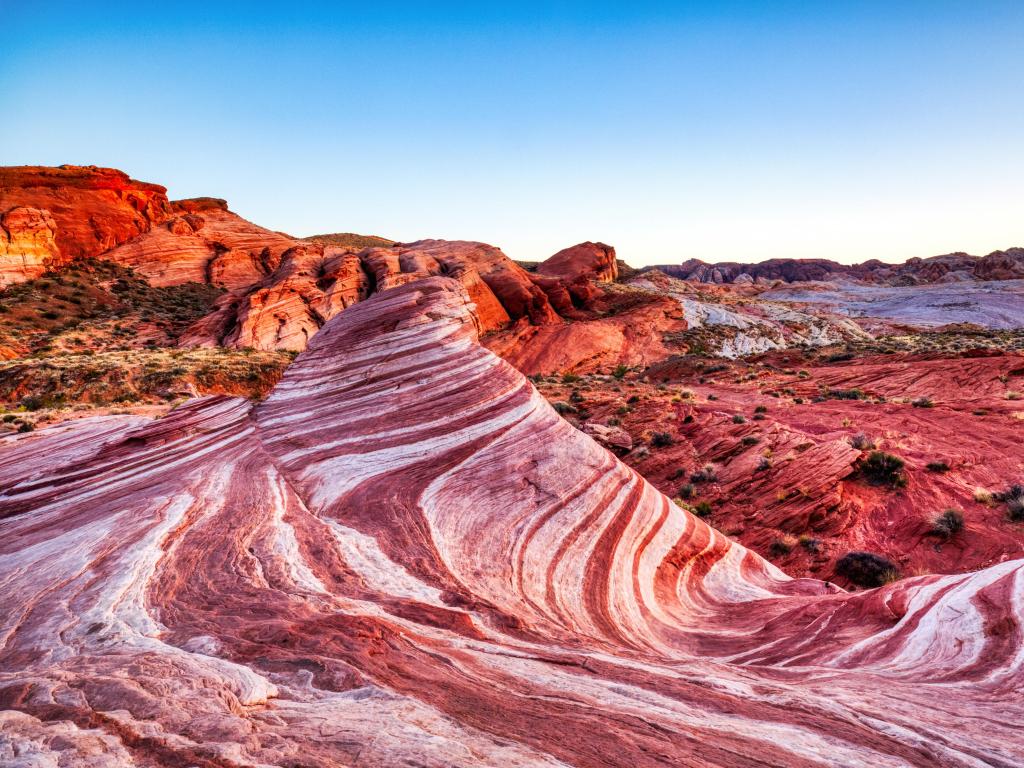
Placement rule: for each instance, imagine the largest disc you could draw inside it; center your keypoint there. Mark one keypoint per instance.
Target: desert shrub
(846, 394)
(739, 418)
(761, 409)
(922, 402)
(687, 491)
(948, 523)
(937, 466)
(622, 410)
(712, 397)
(809, 543)
(575, 396)
(688, 419)
(1013, 395)
(564, 408)
(803, 374)
(764, 464)
(862, 442)
(1013, 497)
(661, 439)
(702, 509)
(570, 378)
(982, 496)
(839, 357)
(880, 468)
(633, 399)
(750, 440)
(26, 426)
(866, 569)
(620, 371)
(705, 474)
(782, 546)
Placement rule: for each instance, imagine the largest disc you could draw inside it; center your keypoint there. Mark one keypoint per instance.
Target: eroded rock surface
(404, 556)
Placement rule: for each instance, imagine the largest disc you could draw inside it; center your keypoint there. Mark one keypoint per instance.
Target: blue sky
(722, 131)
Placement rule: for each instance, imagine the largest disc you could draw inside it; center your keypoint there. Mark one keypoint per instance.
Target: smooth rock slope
(405, 557)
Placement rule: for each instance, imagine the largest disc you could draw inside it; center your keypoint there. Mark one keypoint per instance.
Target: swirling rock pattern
(405, 557)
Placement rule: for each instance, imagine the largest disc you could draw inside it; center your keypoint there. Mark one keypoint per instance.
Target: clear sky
(722, 131)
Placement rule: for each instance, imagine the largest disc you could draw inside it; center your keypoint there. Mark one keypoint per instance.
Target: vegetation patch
(866, 569)
(880, 468)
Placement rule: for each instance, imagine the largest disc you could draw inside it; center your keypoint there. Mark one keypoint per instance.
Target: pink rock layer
(404, 556)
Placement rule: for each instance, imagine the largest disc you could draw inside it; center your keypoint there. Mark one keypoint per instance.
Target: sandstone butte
(404, 556)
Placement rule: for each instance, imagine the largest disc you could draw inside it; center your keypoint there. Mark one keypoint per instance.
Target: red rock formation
(1001, 265)
(313, 282)
(404, 556)
(503, 291)
(593, 261)
(92, 209)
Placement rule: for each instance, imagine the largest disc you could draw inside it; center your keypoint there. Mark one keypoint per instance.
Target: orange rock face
(594, 261)
(89, 210)
(27, 244)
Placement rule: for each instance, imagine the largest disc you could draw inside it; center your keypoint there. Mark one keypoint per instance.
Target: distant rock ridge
(998, 265)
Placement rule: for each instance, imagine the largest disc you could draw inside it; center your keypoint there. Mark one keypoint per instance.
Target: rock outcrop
(405, 556)
(87, 210)
(594, 261)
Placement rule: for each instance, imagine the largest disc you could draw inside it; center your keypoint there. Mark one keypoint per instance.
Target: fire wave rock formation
(404, 556)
